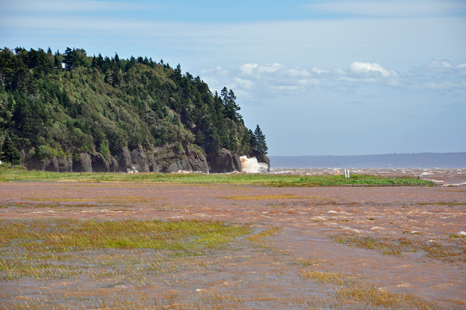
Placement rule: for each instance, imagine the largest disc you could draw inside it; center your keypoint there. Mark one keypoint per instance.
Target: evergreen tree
(252, 140)
(9, 153)
(71, 58)
(260, 141)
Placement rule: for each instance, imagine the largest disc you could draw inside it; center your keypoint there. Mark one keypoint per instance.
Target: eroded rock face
(187, 159)
(139, 161)
(162, 159)
(65, 164)
(99, 163)
(125, 160)
(224, 161)
(197, 161)
(262, 158)
(53, 164)
(84, 164)
(112, 164)
(34, 163)
(236, 161)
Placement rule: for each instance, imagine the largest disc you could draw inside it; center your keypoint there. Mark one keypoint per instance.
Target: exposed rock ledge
(162, 159)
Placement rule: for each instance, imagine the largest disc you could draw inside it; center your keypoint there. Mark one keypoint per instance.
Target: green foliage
(101, 103)
(261, 145)
(9, 153)
(256, 140)
(104, 150)
(44, 152)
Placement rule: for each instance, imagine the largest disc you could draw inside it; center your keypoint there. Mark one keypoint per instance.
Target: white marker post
(347, 173)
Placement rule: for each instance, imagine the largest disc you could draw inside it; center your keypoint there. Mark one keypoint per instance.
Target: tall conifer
(9, 153)
(260, 138)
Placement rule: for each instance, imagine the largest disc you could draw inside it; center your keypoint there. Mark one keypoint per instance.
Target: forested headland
(72, 112)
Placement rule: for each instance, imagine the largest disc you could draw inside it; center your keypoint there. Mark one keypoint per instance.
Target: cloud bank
(251, 79)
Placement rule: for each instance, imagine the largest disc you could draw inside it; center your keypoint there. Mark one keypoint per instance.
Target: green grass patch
(245, 179)
(76, 235)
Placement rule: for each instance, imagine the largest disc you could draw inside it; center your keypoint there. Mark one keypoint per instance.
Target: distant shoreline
(417, 160)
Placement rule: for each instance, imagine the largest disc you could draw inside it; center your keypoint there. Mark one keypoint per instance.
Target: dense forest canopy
(54, 104)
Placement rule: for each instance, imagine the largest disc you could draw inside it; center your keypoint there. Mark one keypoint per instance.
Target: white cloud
(365, 67)
(319, 71)
(441, 70)
(255, 80)
(248, 68)
(439, 66)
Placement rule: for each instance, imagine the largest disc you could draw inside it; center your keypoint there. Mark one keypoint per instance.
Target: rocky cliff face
(163, 159)
(224, 161)
(262, 158)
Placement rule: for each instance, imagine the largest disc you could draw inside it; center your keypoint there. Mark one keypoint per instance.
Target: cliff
(71, 112)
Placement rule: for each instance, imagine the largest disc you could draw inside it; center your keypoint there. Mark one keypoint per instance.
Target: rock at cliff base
(83, 164)
(99, 163)
(262, 158)
(222, 162)
(139, 160)
(125, 159)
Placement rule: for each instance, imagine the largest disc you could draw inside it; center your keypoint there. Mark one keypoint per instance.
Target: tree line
(54, 104)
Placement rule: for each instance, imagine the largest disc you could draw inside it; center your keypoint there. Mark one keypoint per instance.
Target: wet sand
(266, 277)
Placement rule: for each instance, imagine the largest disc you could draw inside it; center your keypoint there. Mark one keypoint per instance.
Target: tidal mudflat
(118, 246)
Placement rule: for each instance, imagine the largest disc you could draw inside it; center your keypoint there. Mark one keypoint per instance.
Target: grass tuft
(396, 246)
(380, 297)
(327, 277)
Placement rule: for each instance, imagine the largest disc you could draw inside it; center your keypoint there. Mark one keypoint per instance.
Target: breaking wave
(251, 165)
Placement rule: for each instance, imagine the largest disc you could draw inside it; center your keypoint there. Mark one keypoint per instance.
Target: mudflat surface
(266, 275)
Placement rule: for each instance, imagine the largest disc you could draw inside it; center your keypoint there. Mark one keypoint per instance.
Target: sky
(335, 77)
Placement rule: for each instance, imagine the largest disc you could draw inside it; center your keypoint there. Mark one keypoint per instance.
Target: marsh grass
(263, 234)
(351, 288)
(166, 277)
(327, 277)
(441, 203)
(306, 263)
(452, 252)
(60, 249)
(76, 235)
(171, 300)
(380, 297)
(238, 178)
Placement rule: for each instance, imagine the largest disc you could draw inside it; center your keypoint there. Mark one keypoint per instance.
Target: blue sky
(320, 77)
